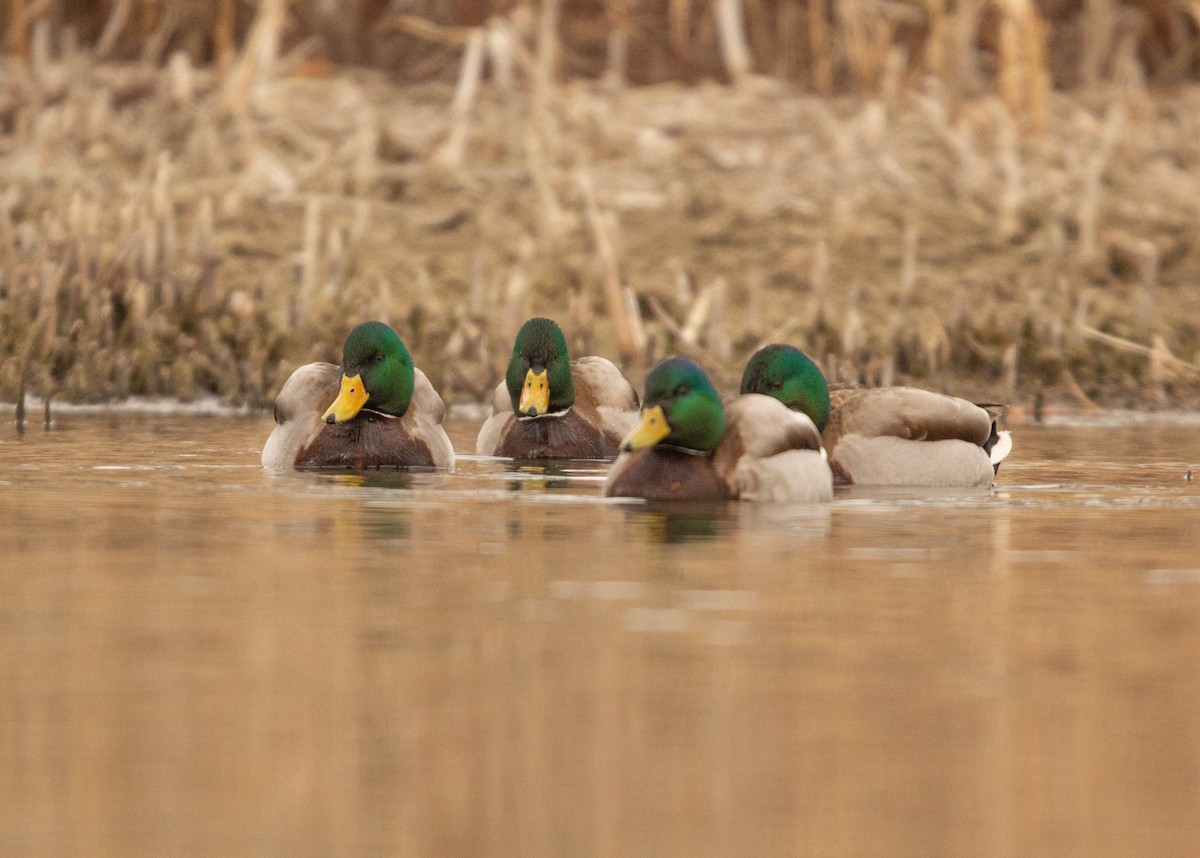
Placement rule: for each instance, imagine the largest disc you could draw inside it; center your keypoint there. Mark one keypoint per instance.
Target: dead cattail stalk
(961, 62)
(113, 27)
(664, 318)
(18, 30)
(717, 333)
(1010, 364)
(820, 46)
(39, 56)
(20, 411)
(1156, 371)
(259, 54)
(454, 149)
(629, 339)
(1158, 350)
(865, 36)
(1094, 168)
(678, 24)
(516, 290)
(1148, 266)
(1023, 78)
(182, 78)
(697, 315)
(786, 28)
(938, 41)
(222, 36)
(201, 243)
(156, 42)
(308, 258)
(551, 216)
(754, 302)
(731, 35)
(1011, 195)
(501, 55)
(617, 59)
(1099, 21)
(545, 70)
(853, 329)
(908, 266)
(423, 28)
(1077, 392)
(818, 278)
(633, 314)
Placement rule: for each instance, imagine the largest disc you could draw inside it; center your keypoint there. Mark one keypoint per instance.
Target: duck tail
(998, 446)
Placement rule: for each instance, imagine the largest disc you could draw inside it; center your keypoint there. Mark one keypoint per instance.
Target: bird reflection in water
(553, 476)
(673, 523)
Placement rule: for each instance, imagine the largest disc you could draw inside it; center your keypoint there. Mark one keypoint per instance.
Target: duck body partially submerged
(691, 446)
(890, 436)
(552, 407)
(375, 411)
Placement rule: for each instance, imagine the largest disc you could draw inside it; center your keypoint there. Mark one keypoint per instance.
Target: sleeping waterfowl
(890, 436)
(690, 446)
(552, 407)
(374, 411)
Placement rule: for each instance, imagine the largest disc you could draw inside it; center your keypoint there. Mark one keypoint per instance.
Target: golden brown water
(197, 658)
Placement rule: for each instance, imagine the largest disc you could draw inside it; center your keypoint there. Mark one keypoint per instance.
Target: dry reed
(194, 229)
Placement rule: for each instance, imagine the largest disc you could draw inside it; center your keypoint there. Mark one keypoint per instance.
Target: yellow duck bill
(535, 394)
(652, 429)
(352, 397)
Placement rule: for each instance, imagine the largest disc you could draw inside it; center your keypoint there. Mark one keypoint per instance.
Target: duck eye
(682, 390)
(777, 384)
(379, 357)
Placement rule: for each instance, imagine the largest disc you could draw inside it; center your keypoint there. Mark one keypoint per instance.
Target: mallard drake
(690, 446)
(374, 411)
(552, 407)
(889, 436)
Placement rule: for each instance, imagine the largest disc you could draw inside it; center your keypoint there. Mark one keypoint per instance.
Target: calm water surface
(197, 658)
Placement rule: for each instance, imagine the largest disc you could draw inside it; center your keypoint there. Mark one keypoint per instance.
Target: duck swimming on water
(889, 436)
(552, 407)
(691, 446)
(374, 411)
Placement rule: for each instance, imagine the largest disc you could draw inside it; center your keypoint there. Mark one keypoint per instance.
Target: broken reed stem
(223, 36)
(908, 266)
(1011, 195)
(617, 59)
(308, 259)
(454, 149)
(1077, 392)
(501, 55)
(731, 36)
(1022, 78)
(1099, 21)
(629, 339)
(819, 282)
(819, 46)
(633, 315)
(18, 32)
(1089, 203)
(546, 63)
(1158, 351)
(717, 335)
(113, 28)
(258, 56)
(697, 316)
(550, 211)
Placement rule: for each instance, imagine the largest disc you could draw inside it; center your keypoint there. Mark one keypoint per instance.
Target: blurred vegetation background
(999, 198)
(822, 46)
